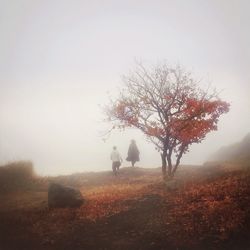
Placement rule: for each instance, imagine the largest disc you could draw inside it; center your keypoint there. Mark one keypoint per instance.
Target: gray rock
(63, 196)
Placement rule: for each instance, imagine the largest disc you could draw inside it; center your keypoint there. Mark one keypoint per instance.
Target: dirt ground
(204, 207)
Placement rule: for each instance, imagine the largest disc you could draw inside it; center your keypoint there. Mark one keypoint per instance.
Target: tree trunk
(175, 167)
(169, 165)
(178, 161)
(164, 165)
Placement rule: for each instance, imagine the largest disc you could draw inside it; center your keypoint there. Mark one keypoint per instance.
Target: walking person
(133, 153)
(116, 160)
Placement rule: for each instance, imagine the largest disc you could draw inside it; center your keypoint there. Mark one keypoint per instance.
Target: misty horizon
(60, 61)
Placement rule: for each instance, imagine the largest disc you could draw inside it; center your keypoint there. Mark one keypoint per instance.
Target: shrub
(16, 175)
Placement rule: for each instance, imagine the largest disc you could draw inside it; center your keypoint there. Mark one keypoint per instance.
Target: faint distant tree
(169, 107)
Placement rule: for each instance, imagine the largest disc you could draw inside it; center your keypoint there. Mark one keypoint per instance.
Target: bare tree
(169, 107)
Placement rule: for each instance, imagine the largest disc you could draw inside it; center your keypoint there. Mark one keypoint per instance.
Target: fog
(60, 60)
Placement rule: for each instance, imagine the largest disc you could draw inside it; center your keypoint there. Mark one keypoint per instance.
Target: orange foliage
(109, 200)
(208, 208)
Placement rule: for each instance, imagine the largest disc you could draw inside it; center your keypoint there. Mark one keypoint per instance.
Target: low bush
(16, 175)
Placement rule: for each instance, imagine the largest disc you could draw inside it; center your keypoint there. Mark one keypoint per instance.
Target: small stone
(60, 196)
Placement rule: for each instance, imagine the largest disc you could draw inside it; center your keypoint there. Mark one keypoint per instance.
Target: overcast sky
(59, 60)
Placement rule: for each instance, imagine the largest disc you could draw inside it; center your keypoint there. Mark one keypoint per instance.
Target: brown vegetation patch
(136, 211)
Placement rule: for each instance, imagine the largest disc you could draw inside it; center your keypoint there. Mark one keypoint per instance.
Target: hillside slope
(236, 152)
(202, 208)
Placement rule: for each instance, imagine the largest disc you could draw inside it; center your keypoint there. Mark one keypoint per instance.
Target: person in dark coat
(133, 153)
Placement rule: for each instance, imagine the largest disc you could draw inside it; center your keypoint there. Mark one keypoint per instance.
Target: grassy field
(205, 207)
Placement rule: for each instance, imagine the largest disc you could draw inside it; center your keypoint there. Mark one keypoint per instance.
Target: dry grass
(108, 200)
(210, 205)
(211, 211)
